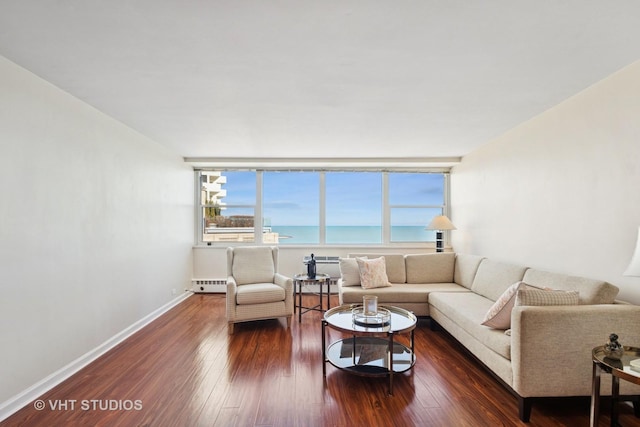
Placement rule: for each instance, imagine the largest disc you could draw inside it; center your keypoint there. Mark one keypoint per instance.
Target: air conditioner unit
(326, 265)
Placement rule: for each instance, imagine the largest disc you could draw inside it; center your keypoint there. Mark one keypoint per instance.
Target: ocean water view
(340, 234)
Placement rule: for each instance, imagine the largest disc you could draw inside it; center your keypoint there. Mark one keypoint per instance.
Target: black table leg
(324, 349)
(615, 398)
(595, 395)
(299, 302)
(390, 352)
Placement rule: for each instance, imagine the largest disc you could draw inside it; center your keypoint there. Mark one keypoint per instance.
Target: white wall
(96, 228)
(561, 191)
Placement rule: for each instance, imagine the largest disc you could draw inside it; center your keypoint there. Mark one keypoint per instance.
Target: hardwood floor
(185, 370)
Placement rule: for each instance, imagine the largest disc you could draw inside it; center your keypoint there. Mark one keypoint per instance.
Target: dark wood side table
(619, 369)
(300, 280)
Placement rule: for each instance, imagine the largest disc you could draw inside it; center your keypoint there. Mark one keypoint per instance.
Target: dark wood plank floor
(185, 370)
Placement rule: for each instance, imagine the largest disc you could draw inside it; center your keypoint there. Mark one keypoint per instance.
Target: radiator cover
(208, 286)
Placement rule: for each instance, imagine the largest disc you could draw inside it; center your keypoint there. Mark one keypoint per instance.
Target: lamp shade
(440, 222)
(634, 265)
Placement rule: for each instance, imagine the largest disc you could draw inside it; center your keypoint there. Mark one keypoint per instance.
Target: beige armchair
(255, 289)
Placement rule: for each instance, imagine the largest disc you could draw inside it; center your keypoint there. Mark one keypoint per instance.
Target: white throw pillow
(499, 315)
(373, 273)
(350, 272)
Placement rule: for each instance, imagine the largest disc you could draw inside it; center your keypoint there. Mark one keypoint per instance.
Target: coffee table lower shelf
(369, 357)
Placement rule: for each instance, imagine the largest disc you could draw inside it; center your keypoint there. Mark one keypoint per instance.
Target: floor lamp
(634, 265)
(440, 223)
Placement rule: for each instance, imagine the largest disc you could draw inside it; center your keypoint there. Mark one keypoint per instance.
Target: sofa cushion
(546, 297)
(430, 268)
(373, 273)
(494, 277)
(394, 264)
(465, 269)
(591, 291)
(399, 292)
(467, 309)
(499, 315)
(253, 265)
(349, 272)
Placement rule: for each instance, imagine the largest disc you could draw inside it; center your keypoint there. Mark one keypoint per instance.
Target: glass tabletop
(342, 318)
(620, 368)
(320, 277)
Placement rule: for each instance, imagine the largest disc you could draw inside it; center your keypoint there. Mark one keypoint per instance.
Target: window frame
(386, 209)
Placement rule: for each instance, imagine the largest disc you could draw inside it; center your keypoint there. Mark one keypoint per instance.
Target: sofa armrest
(551, 346)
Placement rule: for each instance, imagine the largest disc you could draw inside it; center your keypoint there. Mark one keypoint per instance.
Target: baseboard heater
(209, 286)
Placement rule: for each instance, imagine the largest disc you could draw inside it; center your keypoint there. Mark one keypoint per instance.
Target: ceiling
(296, 80)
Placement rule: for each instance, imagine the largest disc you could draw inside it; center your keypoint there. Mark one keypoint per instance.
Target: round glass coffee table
(370, 350)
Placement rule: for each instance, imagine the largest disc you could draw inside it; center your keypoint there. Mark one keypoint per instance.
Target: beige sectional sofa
(546, 352)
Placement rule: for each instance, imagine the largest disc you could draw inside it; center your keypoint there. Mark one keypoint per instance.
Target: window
(320, 207)
(228, 216)
(412, 198)
(291, 206)
(354, 207)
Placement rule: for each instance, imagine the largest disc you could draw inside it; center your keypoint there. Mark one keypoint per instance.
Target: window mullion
(386, 210)
(257, 218)
(322, 208)
(199, 212)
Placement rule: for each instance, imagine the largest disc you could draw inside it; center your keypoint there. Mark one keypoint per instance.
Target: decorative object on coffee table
(381, 317)
(370, 305)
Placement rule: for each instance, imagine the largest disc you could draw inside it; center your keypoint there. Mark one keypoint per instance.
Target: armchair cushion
(253, 265)
(259, 293)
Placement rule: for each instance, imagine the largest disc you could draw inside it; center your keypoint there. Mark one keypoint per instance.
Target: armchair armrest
(232, 288)
(551, 346)
(283, 281)
(287, 284)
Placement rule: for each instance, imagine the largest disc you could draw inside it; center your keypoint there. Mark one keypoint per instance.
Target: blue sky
(352, 198)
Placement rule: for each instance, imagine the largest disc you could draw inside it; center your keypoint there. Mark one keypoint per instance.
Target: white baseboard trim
(18, 401)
